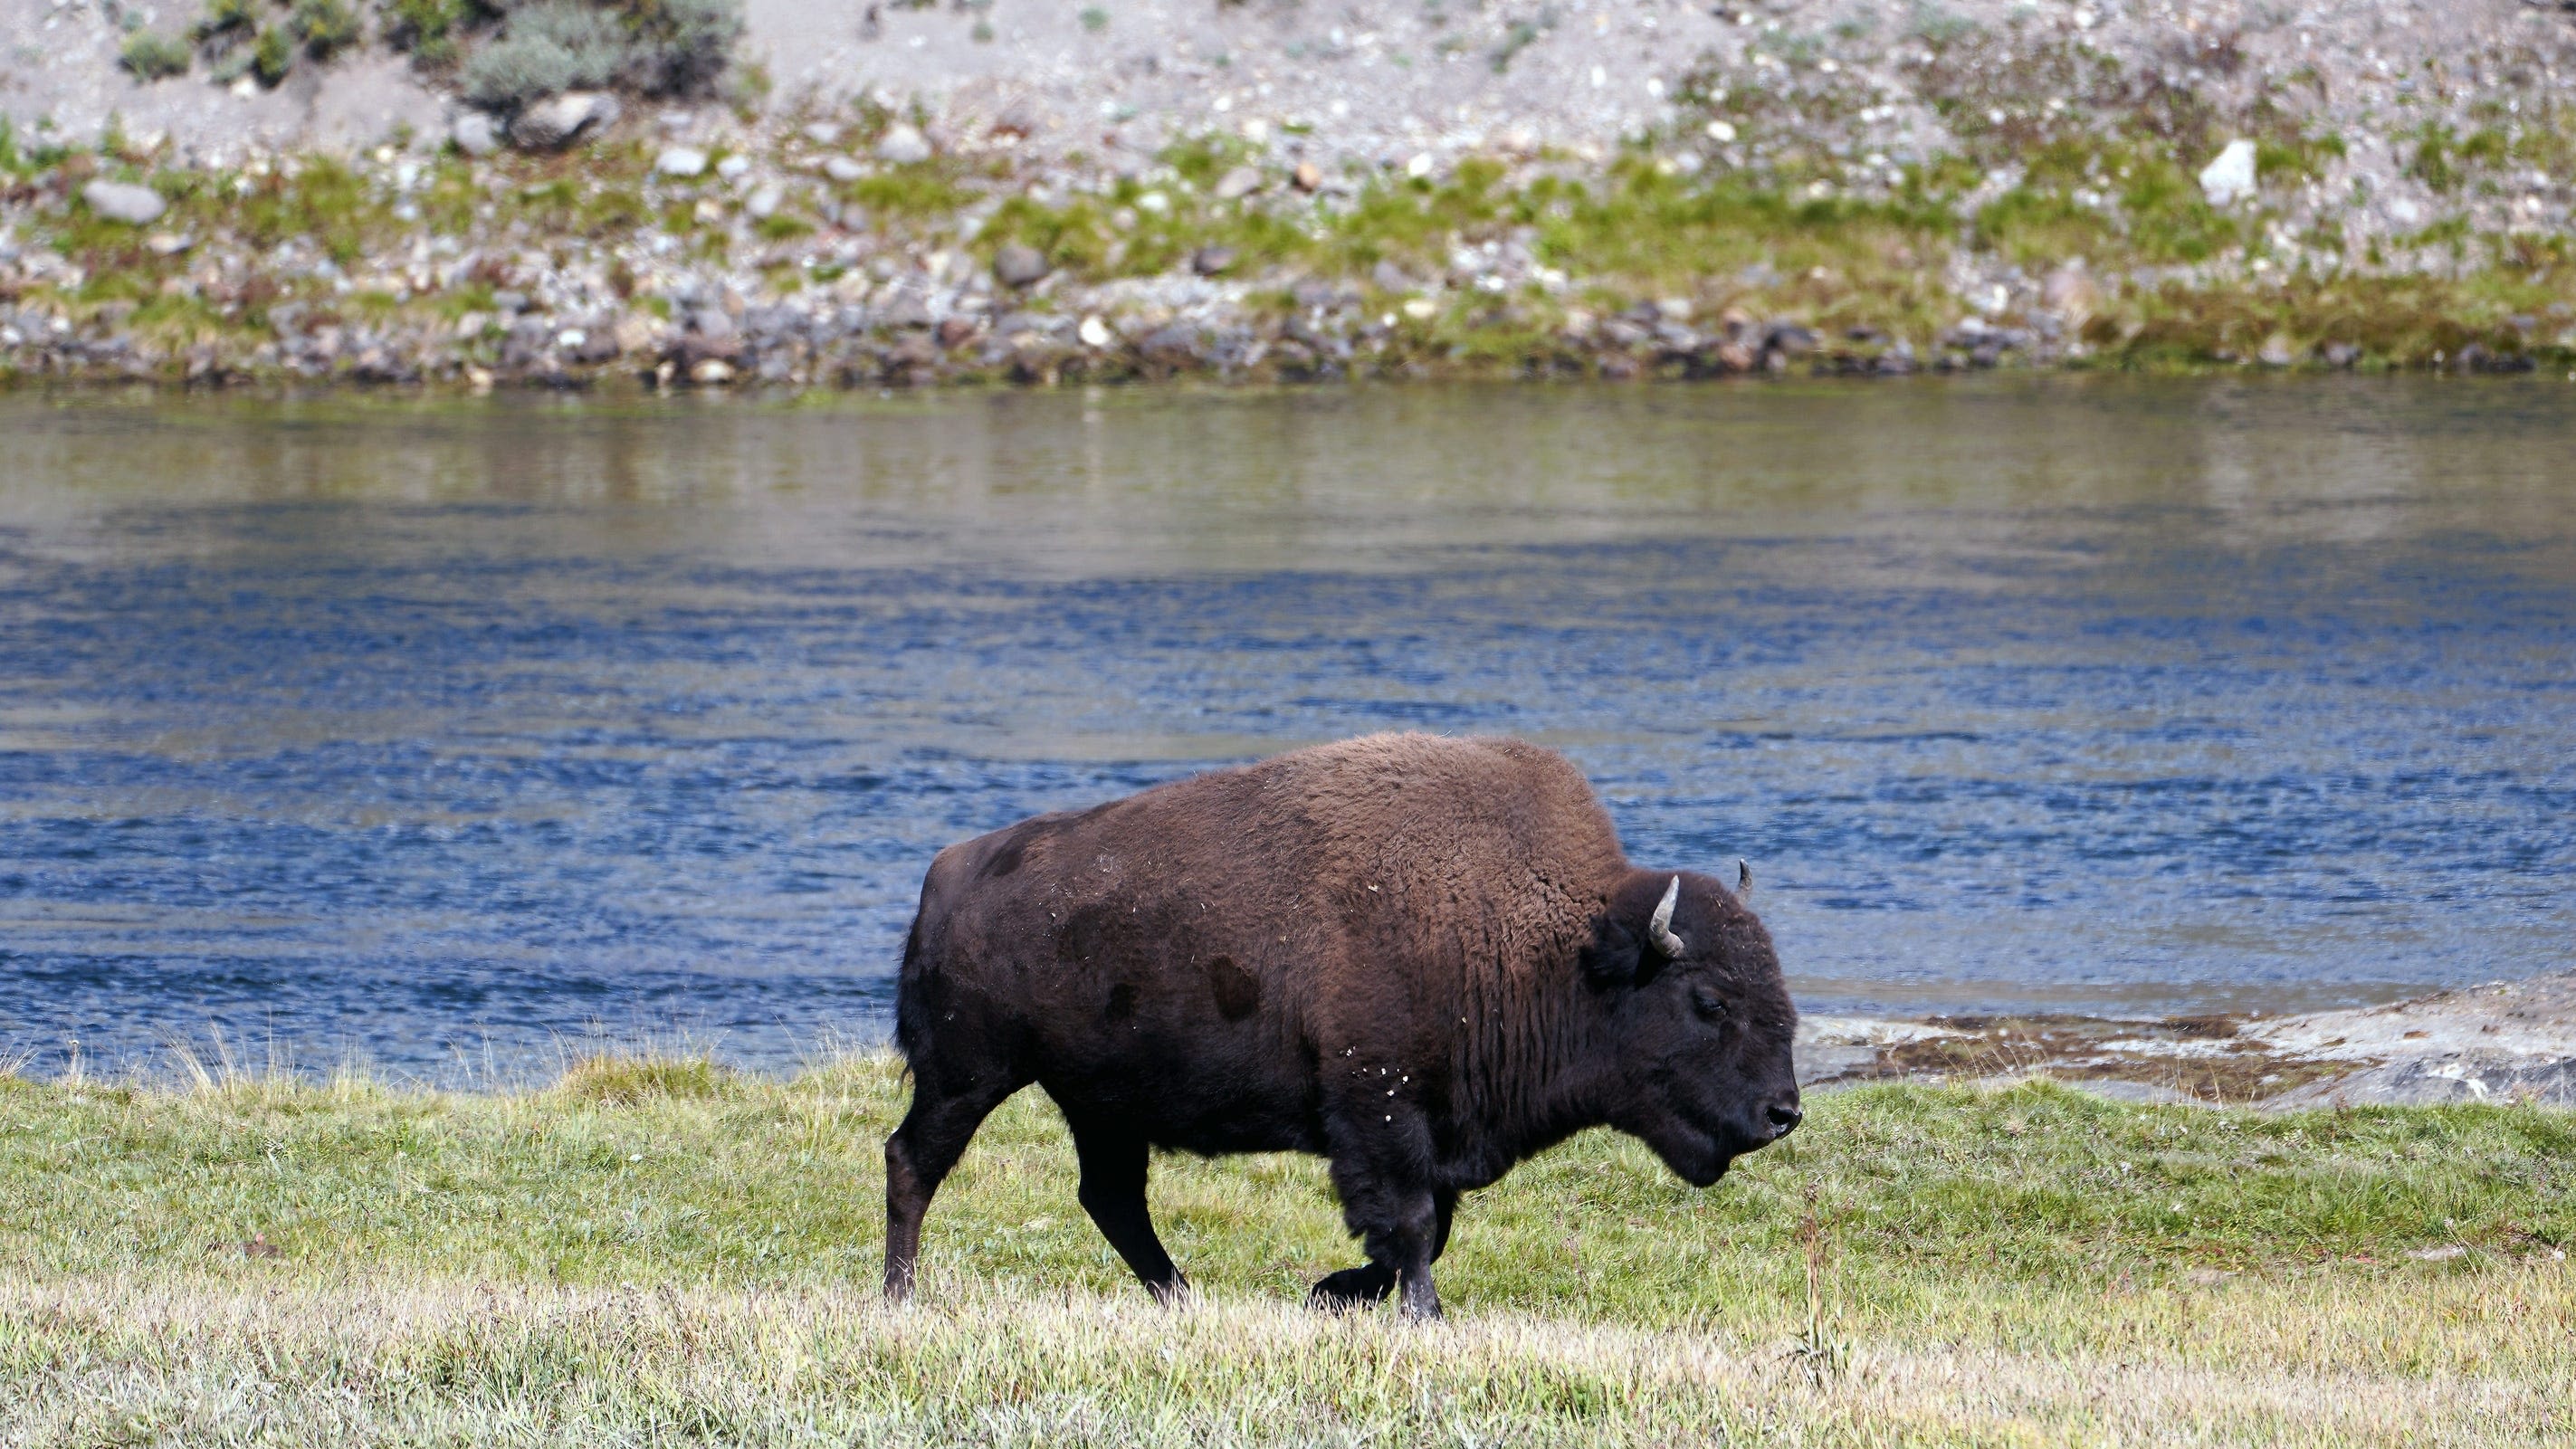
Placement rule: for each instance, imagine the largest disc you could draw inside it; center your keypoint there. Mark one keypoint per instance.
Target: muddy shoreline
(2506, 1041)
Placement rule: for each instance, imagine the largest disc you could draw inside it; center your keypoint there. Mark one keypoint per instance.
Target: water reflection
(414, 728)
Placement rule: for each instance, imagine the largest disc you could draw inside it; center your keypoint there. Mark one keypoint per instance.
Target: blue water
(453, 737)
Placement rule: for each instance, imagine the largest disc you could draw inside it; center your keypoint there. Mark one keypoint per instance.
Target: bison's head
(1698, 1022)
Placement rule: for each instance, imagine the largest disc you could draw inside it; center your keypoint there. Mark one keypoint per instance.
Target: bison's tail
(908, 1025)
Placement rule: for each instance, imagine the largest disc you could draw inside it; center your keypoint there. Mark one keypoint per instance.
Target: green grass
(665, 1251)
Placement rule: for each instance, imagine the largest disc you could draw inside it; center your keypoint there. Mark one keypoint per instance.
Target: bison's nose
(1785, 1118)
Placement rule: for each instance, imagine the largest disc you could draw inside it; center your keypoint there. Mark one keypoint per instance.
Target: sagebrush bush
(683, 45)
(326, 27)
(227, 17)
(548, 47)
(272, 55)
(152, 56)
(658, 47)
(425, 28)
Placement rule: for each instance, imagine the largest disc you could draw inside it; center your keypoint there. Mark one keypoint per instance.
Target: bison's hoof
(1351, 1289)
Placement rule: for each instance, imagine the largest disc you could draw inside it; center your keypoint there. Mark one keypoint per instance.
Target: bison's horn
(1660, 925)
(1743, 880)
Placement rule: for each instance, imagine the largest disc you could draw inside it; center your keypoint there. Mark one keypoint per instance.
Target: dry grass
(663, 1252)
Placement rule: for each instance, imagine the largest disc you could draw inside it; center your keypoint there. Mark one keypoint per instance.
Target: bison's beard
(1697, 1154)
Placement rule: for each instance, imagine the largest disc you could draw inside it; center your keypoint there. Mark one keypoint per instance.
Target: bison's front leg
(1368, 1284)
(1381, 1169)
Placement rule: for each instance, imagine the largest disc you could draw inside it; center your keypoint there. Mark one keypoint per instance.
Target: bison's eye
(1710, 1005)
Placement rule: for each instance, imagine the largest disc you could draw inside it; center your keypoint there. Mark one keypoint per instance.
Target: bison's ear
(1612, 957)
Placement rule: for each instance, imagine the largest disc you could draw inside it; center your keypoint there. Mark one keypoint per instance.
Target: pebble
(903, 145)
(1016, 265)
(1208, 261)
(2230, 178)
(843, 169)
(733, 166)
(680, 161)
(1240, 182)
(764, 203)
(1308, 177)
(475, 134)
(558, 121)
(124, 201)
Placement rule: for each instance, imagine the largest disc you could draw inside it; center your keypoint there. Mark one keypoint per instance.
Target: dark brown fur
(1424, 958)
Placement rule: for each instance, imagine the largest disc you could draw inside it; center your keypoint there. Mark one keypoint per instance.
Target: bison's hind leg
(934, 1134)
(1113, 1192)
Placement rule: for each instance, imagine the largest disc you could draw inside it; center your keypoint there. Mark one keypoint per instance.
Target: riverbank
(2503, 1041)
(1686, 193)
(651, 1248)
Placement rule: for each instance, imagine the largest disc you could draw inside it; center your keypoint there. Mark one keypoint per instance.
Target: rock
(635, 332)
(1093, 332)
(2342, 354)
(823, 133)
(1208, 261)
(2230, 178)
(2069, 292)
(124, 201)
(475, 134)
(1240, 182)
(2277, 352)
(1308, 176)
(558, 121)
(680, 161)
(1016, 265)
(843, 169)
(903, 145)
(764, 203)
(733, 166)
(712, 372)
(1788, 339)
(1175, 347)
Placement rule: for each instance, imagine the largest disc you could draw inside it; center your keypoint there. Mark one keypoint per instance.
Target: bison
(1424, 958)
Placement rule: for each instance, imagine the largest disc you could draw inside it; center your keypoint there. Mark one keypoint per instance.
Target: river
(450, 737)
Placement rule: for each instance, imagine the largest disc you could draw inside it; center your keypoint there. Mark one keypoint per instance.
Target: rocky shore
(1268, 193)
(2508, 1041)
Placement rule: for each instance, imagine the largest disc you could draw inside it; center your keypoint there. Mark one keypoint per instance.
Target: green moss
(324, 203)
(2445, 162)
(916, 193)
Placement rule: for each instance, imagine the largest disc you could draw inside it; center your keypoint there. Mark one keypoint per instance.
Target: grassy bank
(669, 1253)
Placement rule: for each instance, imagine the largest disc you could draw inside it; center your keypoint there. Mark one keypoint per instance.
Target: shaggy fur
(1423, 958)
